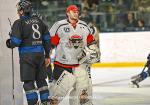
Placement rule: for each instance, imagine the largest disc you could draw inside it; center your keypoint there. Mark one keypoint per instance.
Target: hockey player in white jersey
(74, 47)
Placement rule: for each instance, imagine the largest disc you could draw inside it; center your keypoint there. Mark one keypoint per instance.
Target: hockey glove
(90, 54)
(8, 43)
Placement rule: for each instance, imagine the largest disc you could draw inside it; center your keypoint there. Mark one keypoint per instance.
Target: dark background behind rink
(107, 15)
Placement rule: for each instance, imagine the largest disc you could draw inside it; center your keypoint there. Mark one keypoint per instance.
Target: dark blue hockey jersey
(31, 35)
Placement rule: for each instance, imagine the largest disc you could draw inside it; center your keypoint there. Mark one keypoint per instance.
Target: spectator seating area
(107, 15)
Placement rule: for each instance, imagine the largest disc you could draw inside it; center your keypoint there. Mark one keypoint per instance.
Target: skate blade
(134, 84)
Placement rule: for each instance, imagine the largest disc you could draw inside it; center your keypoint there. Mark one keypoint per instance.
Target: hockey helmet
(72, 8)
(25, 6)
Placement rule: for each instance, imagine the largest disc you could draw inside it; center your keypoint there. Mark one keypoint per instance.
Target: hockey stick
(12, 53)
(110, 82)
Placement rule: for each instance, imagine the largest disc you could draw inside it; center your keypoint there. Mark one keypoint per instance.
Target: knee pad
(43, 90)
(31, 94)
(62, 86)
(82, 93)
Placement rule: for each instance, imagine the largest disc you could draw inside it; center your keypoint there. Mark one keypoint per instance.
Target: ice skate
(136, 79)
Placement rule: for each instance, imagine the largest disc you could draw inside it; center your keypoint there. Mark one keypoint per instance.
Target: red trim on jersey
(55, 40)
(65, 65)
(90, 38)
(76, 36)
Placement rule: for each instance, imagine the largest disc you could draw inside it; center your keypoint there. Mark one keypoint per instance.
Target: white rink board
(8, 10)
(125, 46)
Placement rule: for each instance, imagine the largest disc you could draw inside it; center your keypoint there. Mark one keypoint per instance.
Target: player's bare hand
(47, 62)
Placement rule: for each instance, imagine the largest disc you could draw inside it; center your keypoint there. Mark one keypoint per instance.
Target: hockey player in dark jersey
(143, 75)
(32, 38)
(74, 47)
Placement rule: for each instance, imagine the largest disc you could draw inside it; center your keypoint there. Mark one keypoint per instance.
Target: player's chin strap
(90, 54)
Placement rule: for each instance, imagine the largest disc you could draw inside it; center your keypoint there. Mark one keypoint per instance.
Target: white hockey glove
(90, 54)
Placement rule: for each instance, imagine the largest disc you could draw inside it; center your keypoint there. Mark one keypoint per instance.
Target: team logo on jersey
(66, 29)
(75, 41)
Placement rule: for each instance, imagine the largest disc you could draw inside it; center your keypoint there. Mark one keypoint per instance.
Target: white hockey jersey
(69, 41)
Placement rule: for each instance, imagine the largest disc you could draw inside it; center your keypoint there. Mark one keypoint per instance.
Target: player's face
(20, 12)
(73, 15)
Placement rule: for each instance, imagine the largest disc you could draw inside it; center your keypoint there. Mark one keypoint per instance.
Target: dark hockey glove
(8, 43)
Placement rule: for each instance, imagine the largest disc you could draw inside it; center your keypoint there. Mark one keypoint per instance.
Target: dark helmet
(25, 6)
